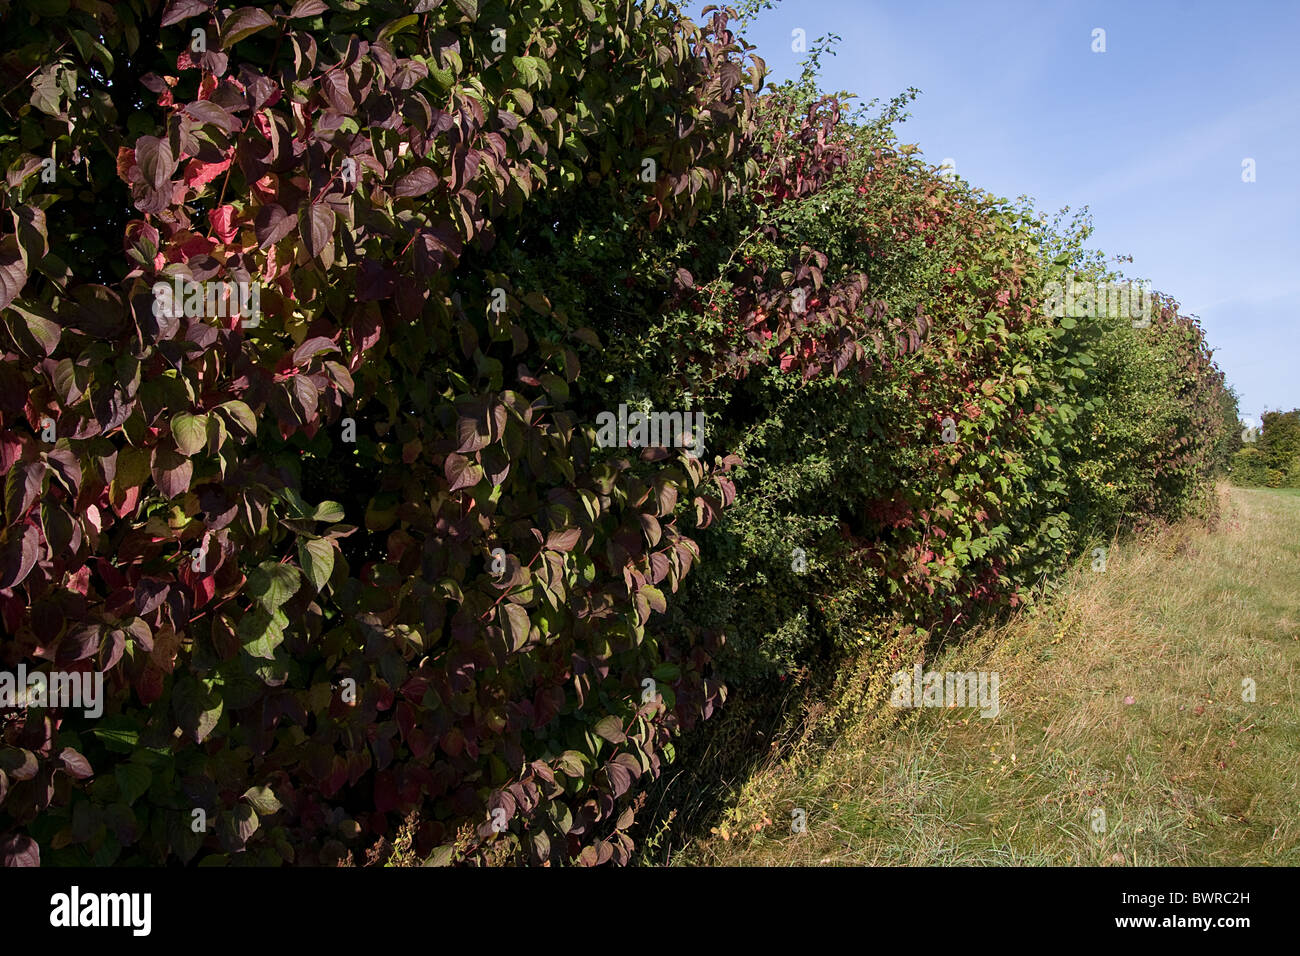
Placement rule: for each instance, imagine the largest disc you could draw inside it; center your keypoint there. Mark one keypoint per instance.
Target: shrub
(925, 315)
(380, 484)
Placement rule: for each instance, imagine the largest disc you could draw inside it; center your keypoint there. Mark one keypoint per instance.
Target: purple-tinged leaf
(178, 10)
(171, 472)
(243, 23)
(78, 644)
(416, 183)
(18, 555)
(564, 540)
(462, 472)
(610, 728)
(307, 8)
(18, 849)
(154, 157)
(13, 275)
(206, 111)
(272, 224)
(311, 348)
(334, 87)
(22, 486)
(316, 226)
(75, 764)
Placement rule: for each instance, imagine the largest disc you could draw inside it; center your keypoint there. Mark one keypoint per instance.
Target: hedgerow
(1059, 430)
(356, 568)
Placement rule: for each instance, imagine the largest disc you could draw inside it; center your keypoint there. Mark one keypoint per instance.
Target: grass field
(1128, 695)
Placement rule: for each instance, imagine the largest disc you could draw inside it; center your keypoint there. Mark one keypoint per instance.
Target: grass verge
(1126, 732)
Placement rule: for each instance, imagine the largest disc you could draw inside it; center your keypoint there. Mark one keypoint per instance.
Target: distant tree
(1274, 458)
(1279, 443)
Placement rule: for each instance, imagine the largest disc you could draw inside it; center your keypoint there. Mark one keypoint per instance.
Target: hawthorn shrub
(924, 312)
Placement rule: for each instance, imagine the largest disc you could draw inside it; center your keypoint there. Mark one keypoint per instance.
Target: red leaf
(563, 541)
(223, 223)
(124, 503)
(149, 685)
(198, 173)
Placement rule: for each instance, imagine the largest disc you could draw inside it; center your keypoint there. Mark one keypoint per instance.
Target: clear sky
(1149, 135)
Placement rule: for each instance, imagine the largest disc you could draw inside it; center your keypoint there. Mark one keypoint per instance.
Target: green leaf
(241, 415)
(530, 68)
(317, 559)
(538, 303)
(190, 433)
(261, 632)
(132, 781)
(571, 765)
(656, 598)
(514, 621)
(263, 800)
(118, 739)
(330, 511)
(271, 584)
(397, 26)
(197, 706)
(667, 672)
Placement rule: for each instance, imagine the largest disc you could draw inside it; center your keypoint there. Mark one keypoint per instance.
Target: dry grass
(1124, 696)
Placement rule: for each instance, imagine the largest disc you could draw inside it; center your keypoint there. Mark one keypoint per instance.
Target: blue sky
(1149, 135)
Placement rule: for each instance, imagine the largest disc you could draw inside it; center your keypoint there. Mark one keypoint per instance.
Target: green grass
(1125, 696)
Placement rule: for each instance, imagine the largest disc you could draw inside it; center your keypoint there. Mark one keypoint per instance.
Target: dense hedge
(363, 581)
(1065, 429)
